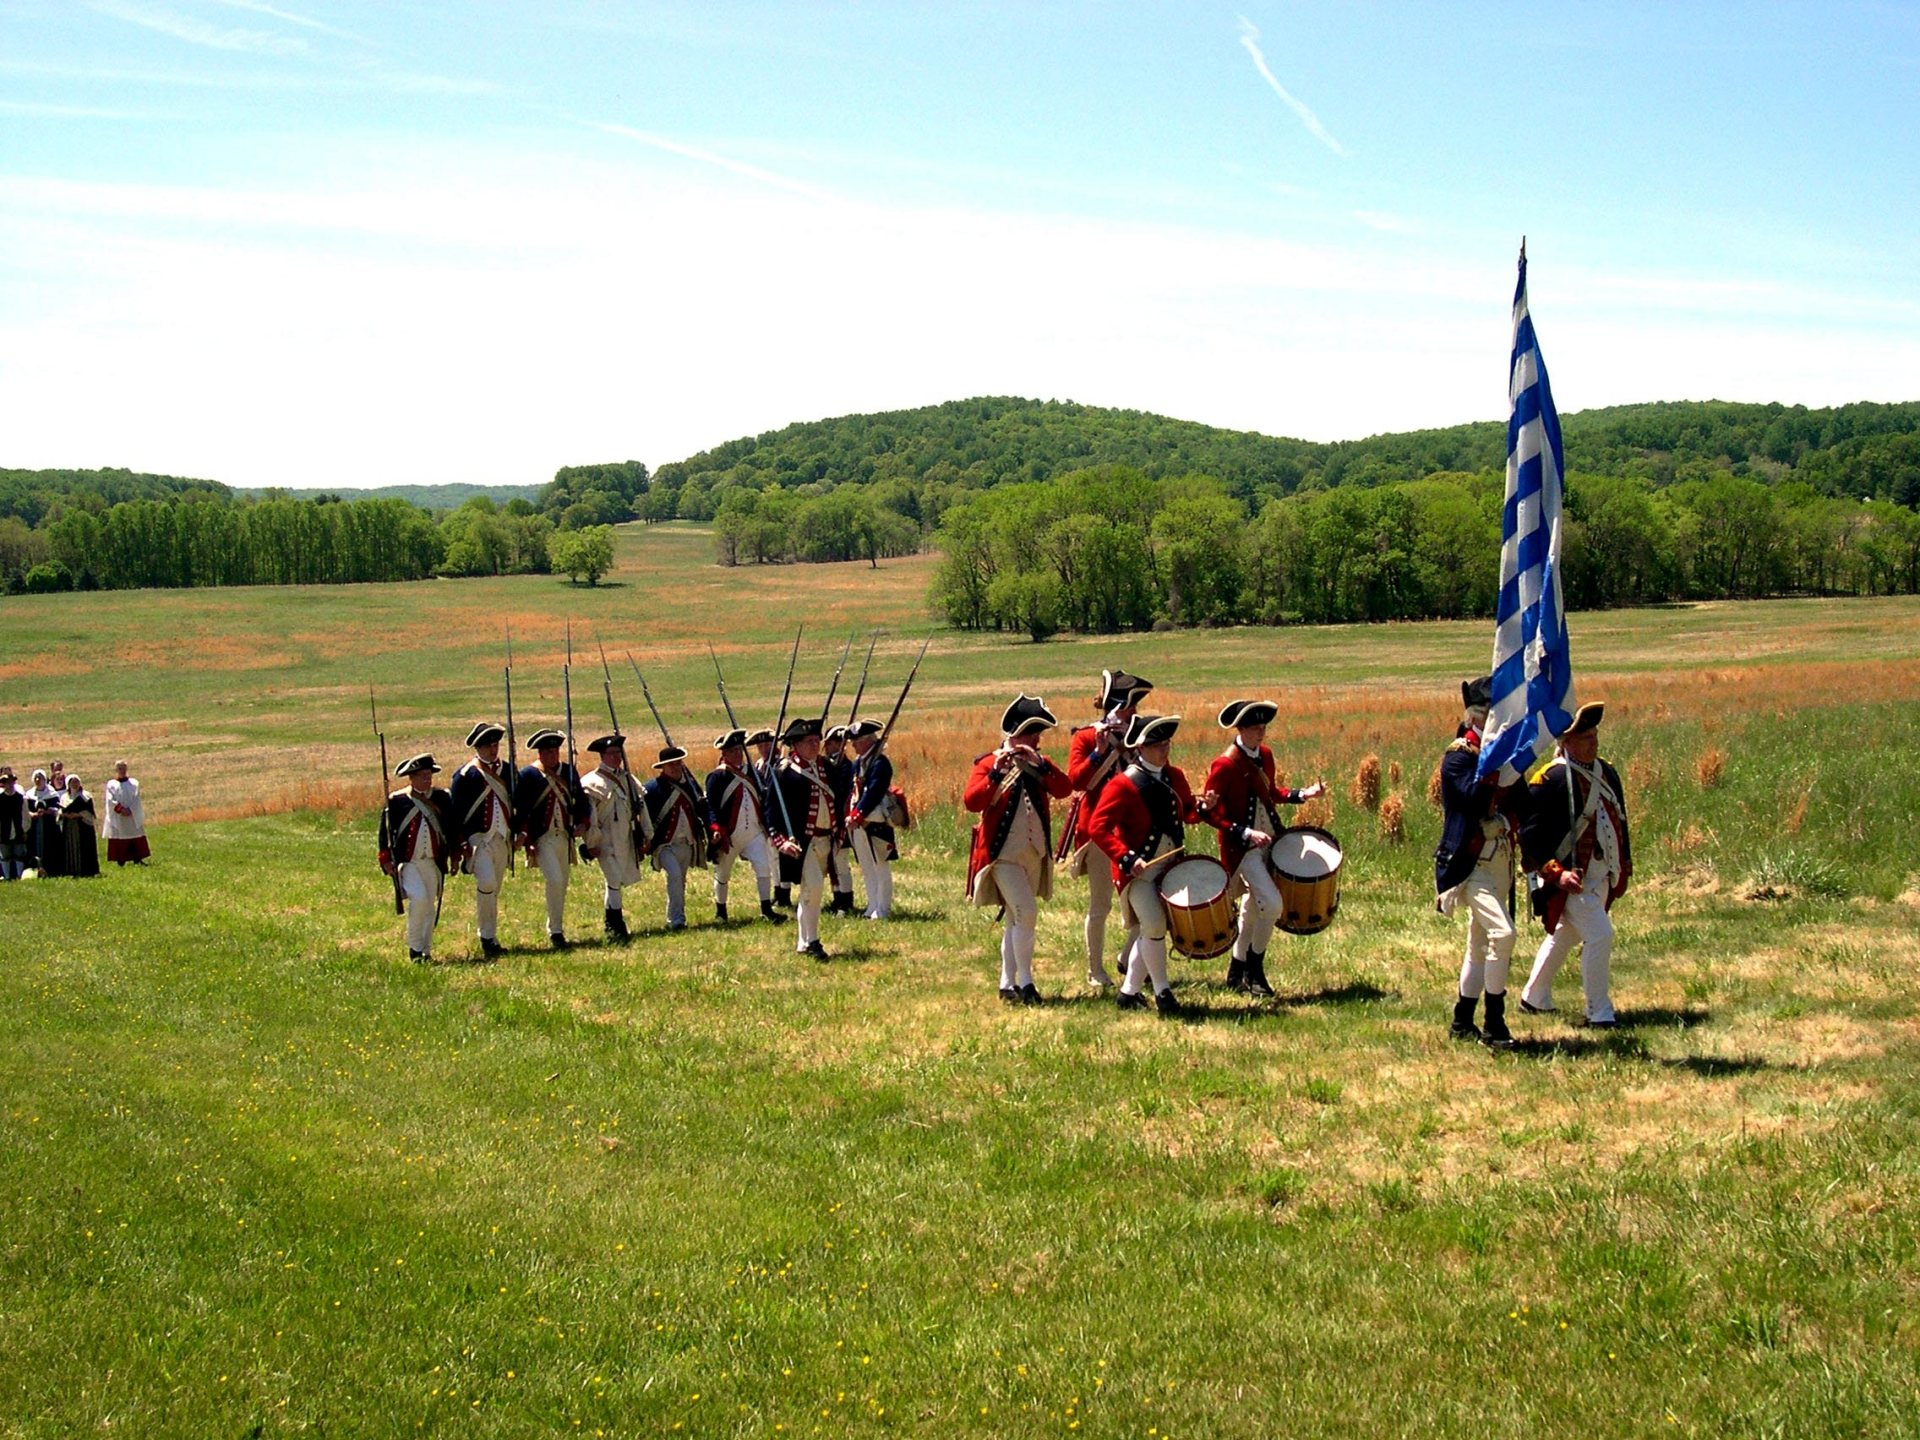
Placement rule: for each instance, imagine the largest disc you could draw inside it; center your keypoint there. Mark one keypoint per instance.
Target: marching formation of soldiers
(797, 819)
(805, 808)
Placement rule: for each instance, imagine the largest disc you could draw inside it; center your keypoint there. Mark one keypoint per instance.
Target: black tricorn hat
(838, 732)
(1247, 712)
(669, 754)
(857, 728)
(1118, 688)
(1150, 730)
(1477, 694)
(762, 736)
(800, 729)
(606, 743)
(1027, 712)
(1586, 718)
(729, 740)
(414, 764)
(548, 739)
(485, 733)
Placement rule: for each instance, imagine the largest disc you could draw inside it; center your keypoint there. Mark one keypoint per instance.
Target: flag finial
(1523, 249)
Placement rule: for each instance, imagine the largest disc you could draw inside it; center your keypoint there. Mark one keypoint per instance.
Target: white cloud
(1250, 41)
(305, 22)
(199, 32)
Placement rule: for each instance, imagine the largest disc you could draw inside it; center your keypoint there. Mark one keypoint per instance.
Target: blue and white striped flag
(1532, 669)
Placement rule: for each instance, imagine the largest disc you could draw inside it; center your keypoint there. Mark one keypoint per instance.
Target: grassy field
(263, 1176)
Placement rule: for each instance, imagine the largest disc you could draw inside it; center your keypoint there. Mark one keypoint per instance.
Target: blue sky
(318, 242)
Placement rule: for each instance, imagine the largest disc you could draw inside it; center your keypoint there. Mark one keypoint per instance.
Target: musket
(566, 690)
(854, 713)
(773, 762)
(780, 725)
(513, 769)
(732, 724)
(649, 698)
(386, 839)
(606, 684)
(833, 689)
(888, 729)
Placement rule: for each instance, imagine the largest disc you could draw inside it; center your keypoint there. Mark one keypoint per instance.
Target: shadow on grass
(1354, 992)
(905, 915)
(1614, 1044)
(1650, 1016)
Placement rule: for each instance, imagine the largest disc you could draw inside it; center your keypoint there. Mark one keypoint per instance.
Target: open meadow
(262, 1176)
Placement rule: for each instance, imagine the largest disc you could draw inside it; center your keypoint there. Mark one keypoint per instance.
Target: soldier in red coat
(1242, 799)
(1011, 862)
(1095, 755)
(1143, 814)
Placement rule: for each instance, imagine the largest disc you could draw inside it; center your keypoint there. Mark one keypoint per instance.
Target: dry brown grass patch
(1709, 768)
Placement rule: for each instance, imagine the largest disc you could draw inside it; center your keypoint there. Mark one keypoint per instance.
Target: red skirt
(126, 852)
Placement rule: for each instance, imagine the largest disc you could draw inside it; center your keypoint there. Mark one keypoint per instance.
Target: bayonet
(386, 774)
(732, 723)
(888, 730)
(826, 710)
(854, 713)
(648, 694)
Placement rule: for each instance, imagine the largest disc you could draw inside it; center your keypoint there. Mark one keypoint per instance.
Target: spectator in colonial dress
(125, 823)
(78, 826)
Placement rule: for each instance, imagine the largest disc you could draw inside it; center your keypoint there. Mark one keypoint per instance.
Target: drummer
(1010, 864)
(1242, 799)
(1142, 815)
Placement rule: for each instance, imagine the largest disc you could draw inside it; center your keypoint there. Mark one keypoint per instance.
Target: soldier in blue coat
(869, 817)
(549, 814)
(1473, 869)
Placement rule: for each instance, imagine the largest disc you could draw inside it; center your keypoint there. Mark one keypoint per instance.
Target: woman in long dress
(79, 824)
(124, 825)
(43, 818)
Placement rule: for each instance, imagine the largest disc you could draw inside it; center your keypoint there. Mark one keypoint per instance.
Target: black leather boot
(1256, 975)
(616, 925)
(767, 912)
(1236, 972)
(783, 896)
(720, 911)
(1496, 1035)
(1463, 1027)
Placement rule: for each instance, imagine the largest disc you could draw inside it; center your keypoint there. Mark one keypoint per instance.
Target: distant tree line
(201, 538)
(1111, 549)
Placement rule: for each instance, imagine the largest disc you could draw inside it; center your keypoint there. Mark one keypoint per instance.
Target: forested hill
(1859, 450)
(27, 495)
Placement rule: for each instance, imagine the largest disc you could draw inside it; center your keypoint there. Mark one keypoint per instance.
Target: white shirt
(747, 824)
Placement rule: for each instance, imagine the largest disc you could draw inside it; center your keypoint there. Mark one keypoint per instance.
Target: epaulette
(1461, 744)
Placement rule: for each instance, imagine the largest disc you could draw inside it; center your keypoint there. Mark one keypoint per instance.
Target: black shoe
(676, 924)
(1028, 994)
(843, 902)
(783, 896)
(418, 957)
(816, 950)
(559, 941)
(1136, 1001)
(1009, 995)
(1536, 1009)
(767, 912)
(1463, 1027)
(1601, 1024)
(1256, 978)
(616, 925)
(489, 951)
(1236, 973)
(1166, 1003)
(1497, 1036)
(720, 912)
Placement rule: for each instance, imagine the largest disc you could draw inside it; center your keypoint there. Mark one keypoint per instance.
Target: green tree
(583, 554)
